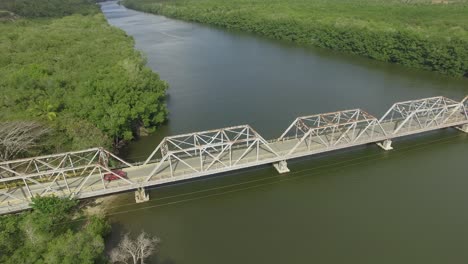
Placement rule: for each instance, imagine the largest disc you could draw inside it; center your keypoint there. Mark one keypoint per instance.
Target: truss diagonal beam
(425, 113)
(331, 129)
(199, 151)
(87, 173)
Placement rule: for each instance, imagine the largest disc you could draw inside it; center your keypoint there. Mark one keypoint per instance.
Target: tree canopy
(74, 72)
(49, 8)
(49, 234)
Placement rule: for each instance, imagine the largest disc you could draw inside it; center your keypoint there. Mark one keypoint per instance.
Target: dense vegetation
(413, 33)
(48, 8)
(48, 235)
(62, 64)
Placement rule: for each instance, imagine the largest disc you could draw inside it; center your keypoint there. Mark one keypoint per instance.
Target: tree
(130, 251)
(90, 86)
(17, 137)
(9, 232)
(44, 110)
(49, 212)
(47, 234)
(74, 248)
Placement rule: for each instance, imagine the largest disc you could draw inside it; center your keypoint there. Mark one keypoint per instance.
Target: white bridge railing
(81, 174)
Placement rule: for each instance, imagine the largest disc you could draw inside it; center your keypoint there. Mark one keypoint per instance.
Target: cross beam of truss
(208, 150)
(56, 162)
(82, 173)
(65, 174)
(422, 114)
(464, 102)
(332, 129)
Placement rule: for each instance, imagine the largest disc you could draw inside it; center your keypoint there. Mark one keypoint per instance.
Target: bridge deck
(215, 158)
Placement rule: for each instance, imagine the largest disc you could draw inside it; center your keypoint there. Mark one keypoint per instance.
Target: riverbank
(66, 68)
(99, 206)
(419, 35)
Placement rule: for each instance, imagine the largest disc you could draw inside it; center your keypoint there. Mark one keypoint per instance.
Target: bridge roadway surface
(191, 167)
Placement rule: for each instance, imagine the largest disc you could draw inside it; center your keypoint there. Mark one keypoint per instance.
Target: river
(361, 205)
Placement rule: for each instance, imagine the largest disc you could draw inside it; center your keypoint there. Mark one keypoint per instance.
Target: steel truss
(423, 114)
(330, 130)
(64, 174)
(464, 103)
(218, 149)
(81, 173)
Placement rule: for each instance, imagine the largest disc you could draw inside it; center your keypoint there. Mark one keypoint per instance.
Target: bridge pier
(386, 145)
(281, 167)
(141, 196)
(463, 128)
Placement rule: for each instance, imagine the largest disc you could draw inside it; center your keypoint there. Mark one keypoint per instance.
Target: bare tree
(131, 250)
(17, 137)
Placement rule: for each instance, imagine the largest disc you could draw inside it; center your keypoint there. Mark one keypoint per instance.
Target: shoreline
(392, 42)
(98, 205)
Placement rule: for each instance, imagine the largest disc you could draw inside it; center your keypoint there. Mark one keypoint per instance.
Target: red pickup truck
(111, 177)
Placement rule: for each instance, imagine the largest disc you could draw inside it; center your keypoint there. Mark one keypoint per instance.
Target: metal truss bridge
(80, 174)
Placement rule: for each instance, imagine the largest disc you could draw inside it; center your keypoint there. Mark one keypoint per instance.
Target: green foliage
(44, 110)
(9, 232)
(82, 133)
(412, 33)
(52, 206)
(48, 235)
(49, 8)
(76, 73)
(98, 225)
(75, 248)
(48, 215)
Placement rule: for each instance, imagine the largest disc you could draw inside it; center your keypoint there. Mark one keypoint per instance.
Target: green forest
(64, 66)
(68, 81)
(51, 233)
(415, 33)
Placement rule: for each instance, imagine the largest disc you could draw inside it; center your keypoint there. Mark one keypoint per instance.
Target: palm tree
(44, 110)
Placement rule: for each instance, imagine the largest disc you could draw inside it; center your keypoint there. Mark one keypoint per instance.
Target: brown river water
(360, 205)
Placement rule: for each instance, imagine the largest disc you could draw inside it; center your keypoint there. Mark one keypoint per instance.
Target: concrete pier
(198, 154)
(386, 145)
(141, 196)
(281, 167)
(463, 128)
